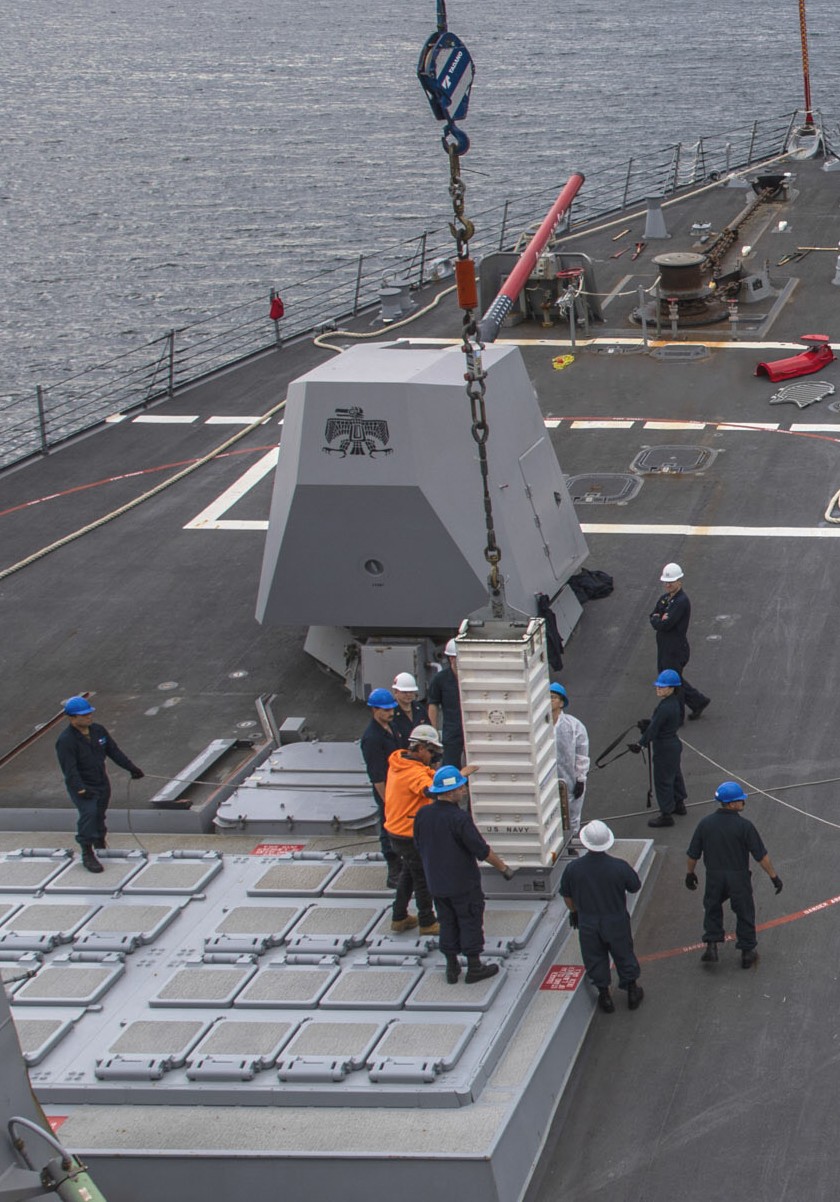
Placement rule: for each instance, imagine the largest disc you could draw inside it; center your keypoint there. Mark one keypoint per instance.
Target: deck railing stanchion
(171, 381)
(42, 419)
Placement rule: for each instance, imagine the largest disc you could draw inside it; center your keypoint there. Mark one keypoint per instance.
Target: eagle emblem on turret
(356, 434)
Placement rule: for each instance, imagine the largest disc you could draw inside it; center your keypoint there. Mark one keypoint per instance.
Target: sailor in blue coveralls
(445, 700)
(660, 734)
(82, 748)
(378, 743)
(726, 841)
(595, 889)
(450, 845)
(670, 618)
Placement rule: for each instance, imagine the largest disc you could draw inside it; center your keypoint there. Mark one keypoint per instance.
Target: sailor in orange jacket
(409, 775)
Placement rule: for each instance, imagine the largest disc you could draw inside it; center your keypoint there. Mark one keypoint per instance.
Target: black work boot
(605, 1001)
(453, 968)
(710, 955)
(661, 820)
(749, 958)
(89, 860)
(635, 993)
(477, 970)
(100, 844)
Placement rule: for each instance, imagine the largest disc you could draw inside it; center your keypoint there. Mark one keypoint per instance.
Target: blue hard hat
(382, 699)
(558, 688)
(446, 779)
(729, 791)
(669, 679)
(77, 705)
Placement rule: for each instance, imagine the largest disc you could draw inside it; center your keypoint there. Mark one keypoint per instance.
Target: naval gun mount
(377, 527)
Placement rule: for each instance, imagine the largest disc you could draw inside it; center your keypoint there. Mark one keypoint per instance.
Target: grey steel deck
(724, 1082)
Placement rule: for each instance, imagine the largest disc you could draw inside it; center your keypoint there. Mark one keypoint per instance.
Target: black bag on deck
(589, 584)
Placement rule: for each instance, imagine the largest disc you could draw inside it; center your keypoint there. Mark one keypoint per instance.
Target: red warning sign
(563, 977)
(276, 849)
(55, 1121)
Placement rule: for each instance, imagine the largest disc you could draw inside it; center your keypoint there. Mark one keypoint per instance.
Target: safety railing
(32, 424)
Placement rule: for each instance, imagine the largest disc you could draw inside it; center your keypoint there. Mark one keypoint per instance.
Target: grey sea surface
(163, 162)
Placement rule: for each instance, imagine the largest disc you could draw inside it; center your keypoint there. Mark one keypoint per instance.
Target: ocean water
(166, 161)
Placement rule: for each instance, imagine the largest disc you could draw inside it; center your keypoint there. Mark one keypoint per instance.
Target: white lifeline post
(508, 732)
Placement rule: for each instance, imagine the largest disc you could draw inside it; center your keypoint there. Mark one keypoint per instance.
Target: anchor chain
(445, 72)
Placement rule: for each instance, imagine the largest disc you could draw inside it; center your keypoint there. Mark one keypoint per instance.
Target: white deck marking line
(748, 425)
(716, 531)
(163, 419)
(618, 288)
(116, 417)
(627, 423)
(211, 517)
(674, 425)
(601, 425)
(232, 421)
(806, 428)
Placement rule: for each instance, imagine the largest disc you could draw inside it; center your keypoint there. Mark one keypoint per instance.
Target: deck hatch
(415, 1052)
(41, 926)
(253, 929)
(149, 1048)
(673, 460)
(28, 870)
(204, 985)
(326, 1051)
(62, 983)
(237, 1051)
(118, 868)
(360, 879)
(297, 986)
(369, 987)
(38, 1036)
(173, 872)
(603, 488)
(124, 926)
(434, 993)
(333, 929)
(294, 877)
(508, 928)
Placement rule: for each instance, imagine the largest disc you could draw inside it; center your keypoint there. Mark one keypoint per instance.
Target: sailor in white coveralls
(572, 744)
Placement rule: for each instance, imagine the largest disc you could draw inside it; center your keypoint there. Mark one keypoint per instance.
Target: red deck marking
(55, 1121)
(144, 471)
(762, 926)
(563, 978)
(276, 849)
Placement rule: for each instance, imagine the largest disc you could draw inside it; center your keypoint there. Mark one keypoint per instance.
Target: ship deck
(724, 1080)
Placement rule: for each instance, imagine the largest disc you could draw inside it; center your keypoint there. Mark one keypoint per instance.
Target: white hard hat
(425, 734)
(451, 648)
(671, 572)
(597, 836)
(404, 682)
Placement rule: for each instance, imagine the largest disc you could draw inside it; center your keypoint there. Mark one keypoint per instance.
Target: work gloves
(634, 747)
(580, 785)
(507, 873)
(137, 773)
(643, 724)
(574, 921)
(777, 883)
(691, 881)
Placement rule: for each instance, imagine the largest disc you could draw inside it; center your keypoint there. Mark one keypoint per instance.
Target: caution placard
(563, 978)
(276, 849)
